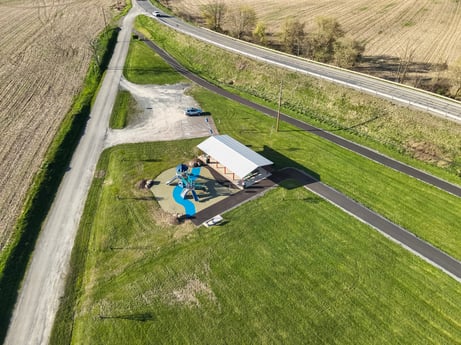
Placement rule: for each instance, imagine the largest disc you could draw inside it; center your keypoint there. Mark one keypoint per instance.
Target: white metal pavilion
(235, 161)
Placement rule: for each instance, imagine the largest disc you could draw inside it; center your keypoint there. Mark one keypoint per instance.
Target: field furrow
(430, 29)
(45, 55)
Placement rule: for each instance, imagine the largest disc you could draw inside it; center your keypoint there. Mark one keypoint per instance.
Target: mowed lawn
(424, 210)
(285, 268)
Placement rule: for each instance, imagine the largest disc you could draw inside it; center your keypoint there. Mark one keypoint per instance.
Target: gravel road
(162, 119)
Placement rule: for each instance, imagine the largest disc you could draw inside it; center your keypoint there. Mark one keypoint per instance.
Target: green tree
(347, 51)
(213, 13)
(293, 36)
(322, 42)
(242, 20)
(259, 33)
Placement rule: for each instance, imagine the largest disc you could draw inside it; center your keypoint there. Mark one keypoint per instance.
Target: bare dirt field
(44, 54)
(428, 30)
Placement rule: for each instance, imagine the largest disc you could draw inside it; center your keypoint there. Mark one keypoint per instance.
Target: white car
(156, 14)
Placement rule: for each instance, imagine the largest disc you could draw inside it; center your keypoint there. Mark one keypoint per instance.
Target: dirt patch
(428, 152)
(190, 293)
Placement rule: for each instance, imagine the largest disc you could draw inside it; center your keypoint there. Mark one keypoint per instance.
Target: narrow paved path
(421, 248)
(38, 299)
(392, 231)
(373, 155)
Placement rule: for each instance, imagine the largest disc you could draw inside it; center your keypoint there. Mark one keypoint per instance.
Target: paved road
(373, 155)
(44, 281)
(437, 105)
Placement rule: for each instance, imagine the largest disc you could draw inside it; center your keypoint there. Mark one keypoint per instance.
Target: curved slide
(188, 205)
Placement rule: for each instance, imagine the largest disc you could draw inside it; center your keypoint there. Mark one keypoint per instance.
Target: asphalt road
(373, 155)
(38, 299)
(437, 105)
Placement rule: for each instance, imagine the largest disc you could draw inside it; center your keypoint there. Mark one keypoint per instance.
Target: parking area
(160, 116)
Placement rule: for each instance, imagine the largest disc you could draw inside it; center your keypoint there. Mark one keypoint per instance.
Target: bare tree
(214, 13)
(293, 36)
(242, 20)
(322, 42)
(166, 3)
(405, 61)
(456, 78)
(347, 51)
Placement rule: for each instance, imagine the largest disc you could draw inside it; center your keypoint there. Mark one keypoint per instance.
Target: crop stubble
(45, 54)
(432, 29)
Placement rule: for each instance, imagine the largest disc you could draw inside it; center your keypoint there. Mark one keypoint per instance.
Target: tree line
(327, 43)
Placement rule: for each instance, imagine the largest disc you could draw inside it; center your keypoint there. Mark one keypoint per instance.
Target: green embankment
(143, 66)
(124, 105)
(425, 211)
(427, 142)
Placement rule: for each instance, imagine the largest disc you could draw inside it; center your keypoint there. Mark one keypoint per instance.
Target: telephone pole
(280, 104)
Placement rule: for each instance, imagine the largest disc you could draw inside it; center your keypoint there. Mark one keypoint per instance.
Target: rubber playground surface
(216, 189)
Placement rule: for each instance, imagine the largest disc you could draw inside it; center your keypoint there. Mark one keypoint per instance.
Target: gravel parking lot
(160, 116)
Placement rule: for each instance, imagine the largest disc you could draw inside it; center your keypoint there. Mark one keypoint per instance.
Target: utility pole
(280, 104)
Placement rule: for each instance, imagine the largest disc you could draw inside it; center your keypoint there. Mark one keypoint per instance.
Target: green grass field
(424, 210)
(124, 105)
(143, 66)
(286, 268)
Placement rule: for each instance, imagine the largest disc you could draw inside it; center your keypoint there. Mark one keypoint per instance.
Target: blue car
(193, 111)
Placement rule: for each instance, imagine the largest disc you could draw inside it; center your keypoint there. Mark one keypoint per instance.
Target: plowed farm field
(44, 53)
(429, 29)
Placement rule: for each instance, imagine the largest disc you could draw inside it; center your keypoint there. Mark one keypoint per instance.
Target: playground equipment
(186, 181)
(181, 170)
(186, 184)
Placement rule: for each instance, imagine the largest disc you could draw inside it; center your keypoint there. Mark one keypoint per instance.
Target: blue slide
(194, 173)
(188, 205)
